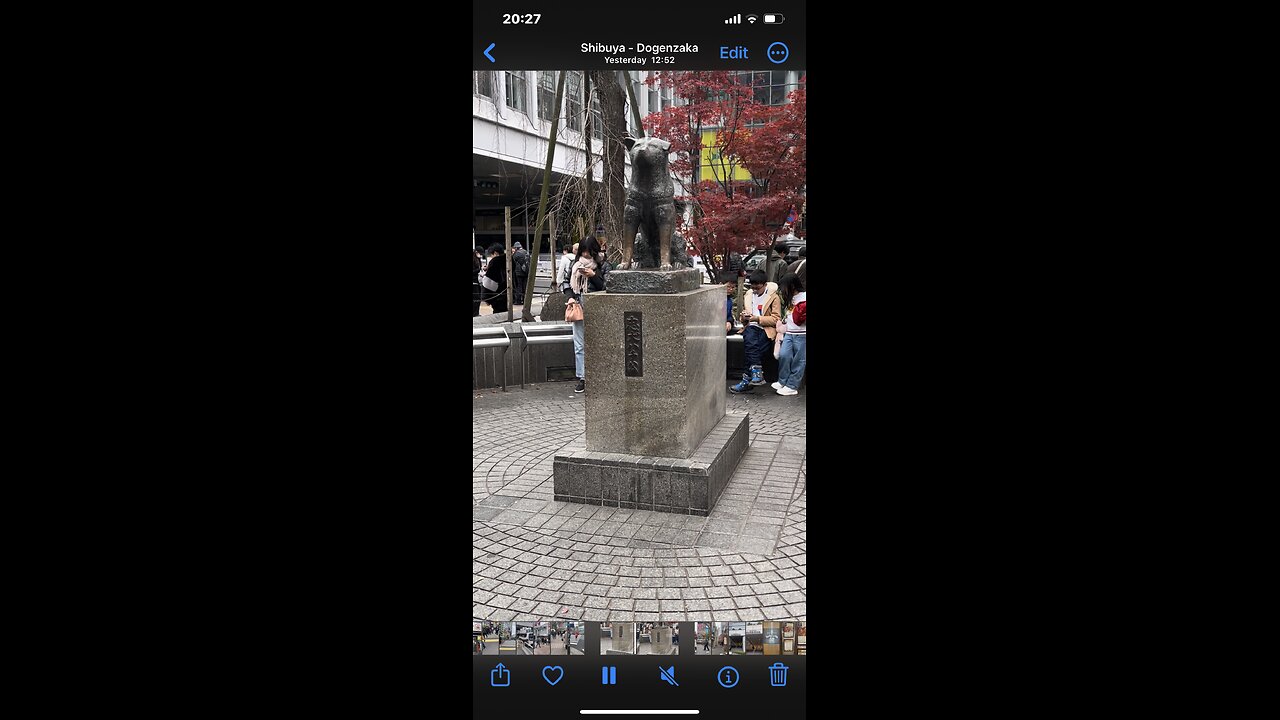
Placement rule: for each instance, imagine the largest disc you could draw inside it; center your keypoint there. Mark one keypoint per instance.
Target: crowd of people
(490, 283)
(773, 317)
(478, 642)
(773, 320)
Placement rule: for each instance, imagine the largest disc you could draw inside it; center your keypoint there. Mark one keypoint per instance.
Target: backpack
(520, 264)
(561, 273)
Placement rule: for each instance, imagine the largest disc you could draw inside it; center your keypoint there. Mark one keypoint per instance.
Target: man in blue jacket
(730, 287)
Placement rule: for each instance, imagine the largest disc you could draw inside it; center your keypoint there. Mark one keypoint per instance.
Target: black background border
(308, 344)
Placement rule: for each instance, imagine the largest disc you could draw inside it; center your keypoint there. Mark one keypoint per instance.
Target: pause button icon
(609, 675)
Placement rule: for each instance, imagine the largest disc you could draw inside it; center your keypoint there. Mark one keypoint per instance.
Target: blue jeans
(577, 348)
(791, 360)
(755, 343)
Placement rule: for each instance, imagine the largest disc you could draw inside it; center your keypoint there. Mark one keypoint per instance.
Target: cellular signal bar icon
(735, 20)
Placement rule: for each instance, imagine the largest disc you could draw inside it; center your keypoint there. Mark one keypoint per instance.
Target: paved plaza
(535, 558)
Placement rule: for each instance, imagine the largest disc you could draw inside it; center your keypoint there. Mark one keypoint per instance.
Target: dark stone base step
(642, 482)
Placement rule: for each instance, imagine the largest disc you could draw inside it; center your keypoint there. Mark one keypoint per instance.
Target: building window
(655, 99)
(516, 91)
(666, 97)
(768, 87)
(637, 90)
(483, 83)
(573, 88)
(778, 88)
(546, 94)
(597, 118)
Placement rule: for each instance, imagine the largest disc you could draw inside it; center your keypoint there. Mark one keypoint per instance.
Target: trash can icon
(778, 675)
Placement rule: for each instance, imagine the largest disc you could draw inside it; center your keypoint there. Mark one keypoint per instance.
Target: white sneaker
(776, 386)
(784, 390)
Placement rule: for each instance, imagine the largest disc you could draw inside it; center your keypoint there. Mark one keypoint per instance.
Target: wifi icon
(751, 19)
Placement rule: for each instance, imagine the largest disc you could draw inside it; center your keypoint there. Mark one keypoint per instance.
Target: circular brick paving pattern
(534, 558)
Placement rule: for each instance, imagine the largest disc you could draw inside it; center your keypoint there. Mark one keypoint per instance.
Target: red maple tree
(768, 141)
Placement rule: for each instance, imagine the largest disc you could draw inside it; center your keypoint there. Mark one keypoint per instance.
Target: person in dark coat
(730, 287)
(775, 266)
(798, 269)
(735, 264)
(475, 282)
(495, 291)
(520, 269)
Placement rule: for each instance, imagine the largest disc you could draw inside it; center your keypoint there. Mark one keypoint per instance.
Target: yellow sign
(712, 166)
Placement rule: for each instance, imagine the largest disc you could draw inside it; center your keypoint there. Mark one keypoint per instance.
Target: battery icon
(773, 19)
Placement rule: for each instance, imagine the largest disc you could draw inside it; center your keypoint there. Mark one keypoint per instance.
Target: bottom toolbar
(570, 669)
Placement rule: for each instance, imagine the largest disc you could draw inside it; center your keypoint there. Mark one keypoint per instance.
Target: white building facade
(510, 118)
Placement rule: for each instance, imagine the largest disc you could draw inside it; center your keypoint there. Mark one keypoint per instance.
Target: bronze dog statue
(650, 209)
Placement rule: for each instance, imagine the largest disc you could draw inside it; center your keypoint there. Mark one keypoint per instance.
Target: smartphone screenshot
(639, 311)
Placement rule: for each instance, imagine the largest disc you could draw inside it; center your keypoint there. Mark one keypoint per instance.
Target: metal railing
(540, 333)
(492, 336)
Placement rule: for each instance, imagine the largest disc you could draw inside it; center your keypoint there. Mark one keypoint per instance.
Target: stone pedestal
(658, 437)
(655, 370)
(623, 638)
(649, 282)
(660, 640)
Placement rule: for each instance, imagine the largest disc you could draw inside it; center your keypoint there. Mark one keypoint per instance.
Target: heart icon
(547, 673)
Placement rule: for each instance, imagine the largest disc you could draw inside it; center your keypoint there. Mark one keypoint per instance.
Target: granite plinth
(660, 640)
(660, 282)
(661, 484)
(622, 638)
(655, 367)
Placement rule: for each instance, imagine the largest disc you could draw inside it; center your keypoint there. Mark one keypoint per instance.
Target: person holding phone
(760, 317)
(583, 278)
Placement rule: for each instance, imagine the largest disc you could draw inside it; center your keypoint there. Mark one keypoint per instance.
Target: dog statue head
(649, 167)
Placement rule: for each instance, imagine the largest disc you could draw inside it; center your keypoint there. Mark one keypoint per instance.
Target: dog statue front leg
(630, 224)
(666, 222)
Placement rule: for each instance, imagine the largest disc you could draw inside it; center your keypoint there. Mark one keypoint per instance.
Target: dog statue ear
(629, 142)
(662, 144)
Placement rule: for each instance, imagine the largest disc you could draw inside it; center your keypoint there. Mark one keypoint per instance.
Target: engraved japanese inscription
(634, 346)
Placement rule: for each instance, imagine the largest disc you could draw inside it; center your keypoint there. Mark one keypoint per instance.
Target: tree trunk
(631, 99)
(507, 258)
(586, 137)
(527, 313)
(613, 114)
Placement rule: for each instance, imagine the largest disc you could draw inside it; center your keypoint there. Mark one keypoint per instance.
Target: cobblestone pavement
(535, 558)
